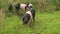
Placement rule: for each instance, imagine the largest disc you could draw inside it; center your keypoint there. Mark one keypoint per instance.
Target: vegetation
(47, 20)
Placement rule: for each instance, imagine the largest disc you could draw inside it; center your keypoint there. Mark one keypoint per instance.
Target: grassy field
(45, 23)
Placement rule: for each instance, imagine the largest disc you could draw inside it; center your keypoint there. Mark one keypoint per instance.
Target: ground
(45, 23)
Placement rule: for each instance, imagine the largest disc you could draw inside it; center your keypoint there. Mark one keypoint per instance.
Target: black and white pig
(29, 16)
(21, 6)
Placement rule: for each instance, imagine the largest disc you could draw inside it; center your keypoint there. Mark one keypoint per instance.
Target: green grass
(45, 23)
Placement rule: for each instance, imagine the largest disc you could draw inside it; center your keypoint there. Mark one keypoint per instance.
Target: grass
(45, 23)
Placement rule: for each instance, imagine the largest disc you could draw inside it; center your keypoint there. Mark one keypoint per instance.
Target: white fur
(30, 5)
(29, 13)
(22, 6)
